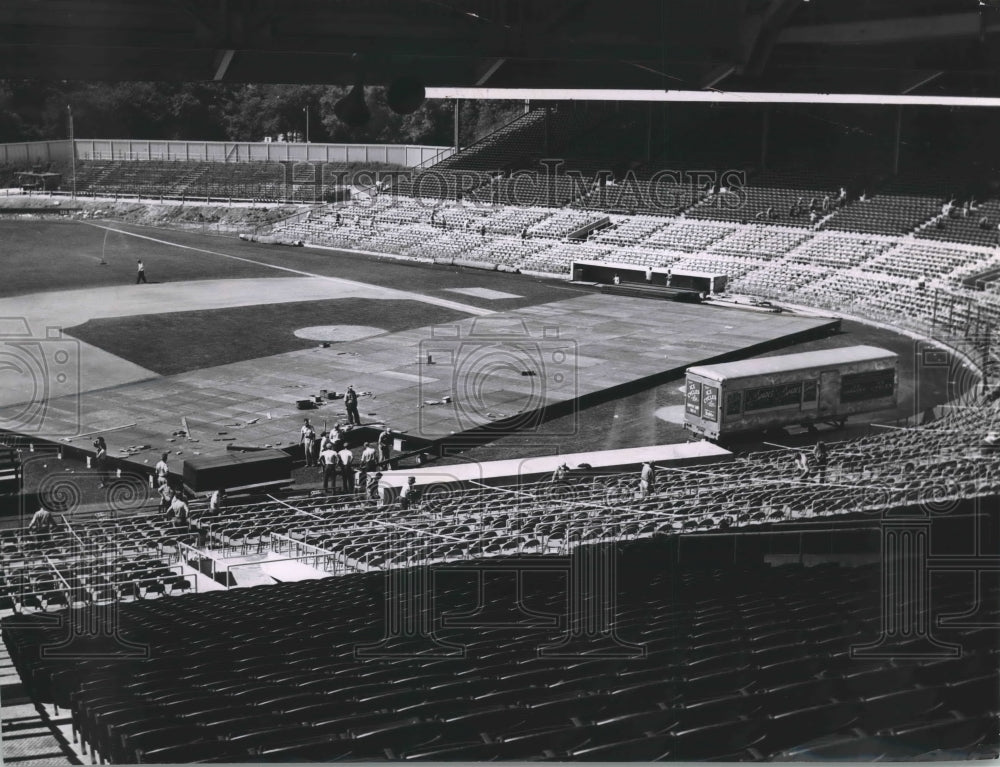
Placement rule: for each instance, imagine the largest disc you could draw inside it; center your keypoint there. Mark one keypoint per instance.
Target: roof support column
(896, 141)
(765, 129)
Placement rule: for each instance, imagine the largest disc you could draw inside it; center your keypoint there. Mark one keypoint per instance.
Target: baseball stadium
(653, 418)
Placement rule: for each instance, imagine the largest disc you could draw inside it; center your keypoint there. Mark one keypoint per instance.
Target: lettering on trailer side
(765, 397)
(693, 399)
(710, 403)
(874, 384)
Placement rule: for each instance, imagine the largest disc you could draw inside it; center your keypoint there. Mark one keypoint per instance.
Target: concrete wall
(230, 151)
(28, 153)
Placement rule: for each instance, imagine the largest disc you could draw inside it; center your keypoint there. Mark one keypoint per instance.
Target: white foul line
(442, 302)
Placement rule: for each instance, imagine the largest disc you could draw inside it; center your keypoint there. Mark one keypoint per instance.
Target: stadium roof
(839, 46)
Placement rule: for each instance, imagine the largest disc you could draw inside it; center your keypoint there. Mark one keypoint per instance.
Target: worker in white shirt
(647, 479)
(346, 458)
(166, 496)
(308, 437)
(328, 460)
(179, 509)
(385, 446)
(369, 458)
(408, 495)
(41, 521)
(162, 470)
(216, 501)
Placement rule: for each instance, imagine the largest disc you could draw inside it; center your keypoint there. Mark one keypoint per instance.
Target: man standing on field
(140, 272)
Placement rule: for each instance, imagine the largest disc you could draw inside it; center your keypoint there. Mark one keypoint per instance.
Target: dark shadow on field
(178, 342)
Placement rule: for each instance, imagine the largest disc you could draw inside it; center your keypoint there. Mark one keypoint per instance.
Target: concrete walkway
(29, 736)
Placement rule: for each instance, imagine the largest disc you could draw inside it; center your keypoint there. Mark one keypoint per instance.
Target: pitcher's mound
(337, 332)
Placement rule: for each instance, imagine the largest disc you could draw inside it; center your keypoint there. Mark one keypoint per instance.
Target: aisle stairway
(28, 734)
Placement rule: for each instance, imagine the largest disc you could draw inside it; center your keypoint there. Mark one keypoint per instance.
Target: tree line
(207, 111)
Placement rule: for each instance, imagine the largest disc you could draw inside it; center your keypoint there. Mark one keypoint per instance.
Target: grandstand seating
(220, 180)
(533, 189)
(629, 231)
(563, 223)
(839, 251)
(439, 185)
(758, 242)
(918, 259)
(967, 229)
(692, 236)
(783, 197)
(740, 662)
(501, 148)
(885, 214)
(514, 220)
(662, 196)
(96, 562)
(558, 258)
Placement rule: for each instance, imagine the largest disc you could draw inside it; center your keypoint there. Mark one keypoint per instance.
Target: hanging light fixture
(405, 95)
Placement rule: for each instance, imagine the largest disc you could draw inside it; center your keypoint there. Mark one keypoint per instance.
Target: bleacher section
(502, 148)
(563, 223)
(885, 214)
(738, 663)
(533, 189)
(785, 197)
(438, 185)
(96, 561)
(839, 251)
(660, 196)
(902, 204)
(970, 229)
(219, 180)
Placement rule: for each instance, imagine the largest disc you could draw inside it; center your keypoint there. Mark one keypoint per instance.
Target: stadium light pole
(306, 110)
(72, 147)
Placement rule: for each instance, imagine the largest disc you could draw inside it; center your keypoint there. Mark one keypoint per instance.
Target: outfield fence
(28, 153)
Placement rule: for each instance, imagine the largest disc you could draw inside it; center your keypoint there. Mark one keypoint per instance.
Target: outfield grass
(386, 272)
(178, 342)
(41, 256)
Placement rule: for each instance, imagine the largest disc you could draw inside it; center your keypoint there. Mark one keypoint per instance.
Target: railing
(105, 578)
(204, 563)
(321, 561)
(328, 561)
(295, 218)
(450, 151)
